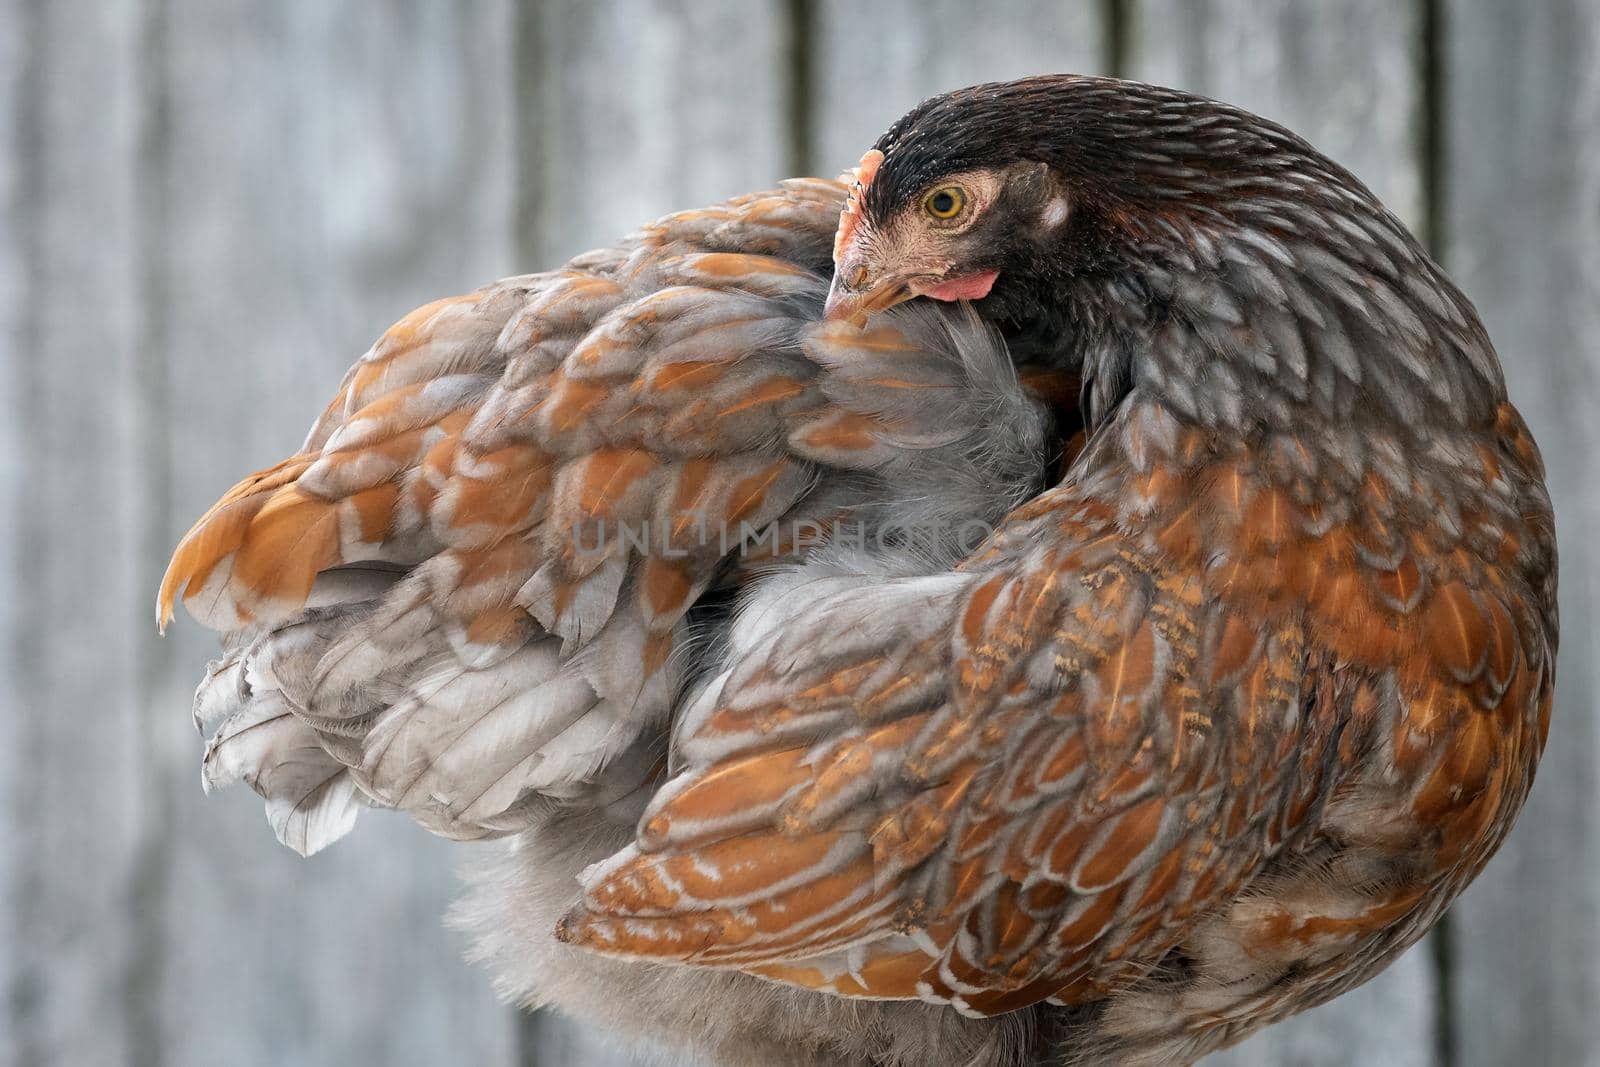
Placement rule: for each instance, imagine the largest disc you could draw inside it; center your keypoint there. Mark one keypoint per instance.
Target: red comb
(850, 217)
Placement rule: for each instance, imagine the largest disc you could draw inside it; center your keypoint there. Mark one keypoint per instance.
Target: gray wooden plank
(16, 207)
(72, 800)
(320, 170)
(1522, 236)
(1348, 78)
(633, 108)
(874, 62)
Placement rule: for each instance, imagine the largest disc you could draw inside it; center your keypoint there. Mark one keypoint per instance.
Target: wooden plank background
(209, 207)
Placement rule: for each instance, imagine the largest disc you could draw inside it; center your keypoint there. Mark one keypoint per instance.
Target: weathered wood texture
(78, 785)
(1521, 233)
(218, 205)
(317, 170)
(870, 63)
(619, 126)
(207, 209)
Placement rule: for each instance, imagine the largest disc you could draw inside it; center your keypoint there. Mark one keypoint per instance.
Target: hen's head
(1086, 215)
(1055, 177)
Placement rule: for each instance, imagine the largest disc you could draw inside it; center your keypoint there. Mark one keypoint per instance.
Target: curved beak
(853, 303)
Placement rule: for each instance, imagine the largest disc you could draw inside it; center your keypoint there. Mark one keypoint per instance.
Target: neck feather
(1320, 320)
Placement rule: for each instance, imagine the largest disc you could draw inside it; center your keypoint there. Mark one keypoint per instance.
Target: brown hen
(1143, 650)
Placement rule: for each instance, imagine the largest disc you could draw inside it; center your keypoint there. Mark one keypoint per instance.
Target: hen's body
(1201, 736)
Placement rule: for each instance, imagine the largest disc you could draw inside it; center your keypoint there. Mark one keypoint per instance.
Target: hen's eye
(945, 203)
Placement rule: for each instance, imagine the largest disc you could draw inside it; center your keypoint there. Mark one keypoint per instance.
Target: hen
(1137, 652)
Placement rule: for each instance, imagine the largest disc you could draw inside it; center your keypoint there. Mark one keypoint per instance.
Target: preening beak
(854, 303)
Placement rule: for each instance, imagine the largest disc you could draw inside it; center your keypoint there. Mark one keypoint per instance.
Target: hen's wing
(469, 590)
(1031, 777)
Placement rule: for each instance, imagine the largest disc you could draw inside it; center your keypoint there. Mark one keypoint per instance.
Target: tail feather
(312, 800)
(254, 734)
(253, 560)
(220, 532)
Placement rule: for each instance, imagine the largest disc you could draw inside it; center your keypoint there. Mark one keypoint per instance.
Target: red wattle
(971, 287)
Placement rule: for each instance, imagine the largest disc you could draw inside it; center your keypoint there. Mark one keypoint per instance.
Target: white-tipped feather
(311, 799)
(591, 604)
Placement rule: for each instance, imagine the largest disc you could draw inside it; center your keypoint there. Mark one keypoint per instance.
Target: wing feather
(553, 471)
(1034, 776)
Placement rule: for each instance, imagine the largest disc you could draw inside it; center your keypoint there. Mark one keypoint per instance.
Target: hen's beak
(862, 296)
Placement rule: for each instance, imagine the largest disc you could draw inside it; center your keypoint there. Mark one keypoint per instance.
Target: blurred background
(209, 208)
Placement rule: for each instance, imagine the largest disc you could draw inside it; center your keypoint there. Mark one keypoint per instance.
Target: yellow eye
(945, 203)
